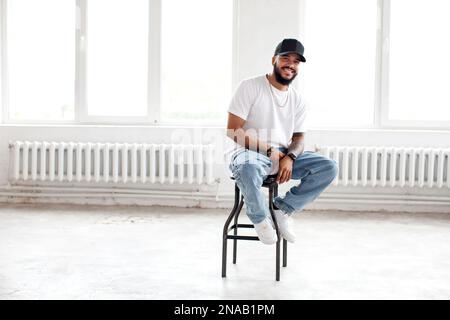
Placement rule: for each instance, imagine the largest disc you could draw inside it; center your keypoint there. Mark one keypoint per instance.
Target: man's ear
(273, 60)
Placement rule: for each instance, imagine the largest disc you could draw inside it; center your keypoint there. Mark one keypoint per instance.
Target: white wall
(262, 24)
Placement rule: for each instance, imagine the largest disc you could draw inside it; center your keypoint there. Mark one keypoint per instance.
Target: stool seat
(269, 181)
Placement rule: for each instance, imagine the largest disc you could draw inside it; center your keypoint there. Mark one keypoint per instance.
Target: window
(370, 64)
(419, 64)
(196, 59)
(117, 58)
(339, 75)
(41, 59)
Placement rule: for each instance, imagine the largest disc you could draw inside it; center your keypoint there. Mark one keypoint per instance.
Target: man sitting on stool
(266, 119)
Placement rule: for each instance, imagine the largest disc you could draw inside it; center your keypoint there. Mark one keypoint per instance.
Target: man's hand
(276, 155)
(285, 170)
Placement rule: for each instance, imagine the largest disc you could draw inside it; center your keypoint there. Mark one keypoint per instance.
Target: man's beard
(280, 78)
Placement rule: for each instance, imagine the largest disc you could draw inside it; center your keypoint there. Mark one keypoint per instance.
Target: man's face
(285, 67)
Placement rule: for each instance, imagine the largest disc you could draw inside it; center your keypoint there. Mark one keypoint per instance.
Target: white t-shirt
(271, 115)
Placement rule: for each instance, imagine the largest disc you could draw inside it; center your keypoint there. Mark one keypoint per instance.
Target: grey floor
(76, 252)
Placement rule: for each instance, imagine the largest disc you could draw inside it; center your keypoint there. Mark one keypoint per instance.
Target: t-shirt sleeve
(242, 100)
(300, 116)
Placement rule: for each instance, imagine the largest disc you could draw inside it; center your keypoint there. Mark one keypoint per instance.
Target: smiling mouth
(288, 70)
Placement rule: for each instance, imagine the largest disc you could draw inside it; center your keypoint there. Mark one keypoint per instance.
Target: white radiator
(112, 162)
(390, 166)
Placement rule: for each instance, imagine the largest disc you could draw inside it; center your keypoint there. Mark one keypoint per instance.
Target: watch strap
(292, 156)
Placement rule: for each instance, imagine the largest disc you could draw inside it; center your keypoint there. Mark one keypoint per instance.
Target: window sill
(219, 126)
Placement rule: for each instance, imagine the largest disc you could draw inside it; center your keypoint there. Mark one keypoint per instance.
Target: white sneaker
(266, 233)
(284, 225)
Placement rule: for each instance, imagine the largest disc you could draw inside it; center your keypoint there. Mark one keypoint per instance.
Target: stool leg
(277, 275)
(275, 194)
(272, 190)
(225, 231)
(236, 218)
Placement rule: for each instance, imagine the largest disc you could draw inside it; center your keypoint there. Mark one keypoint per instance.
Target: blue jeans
(251, 168)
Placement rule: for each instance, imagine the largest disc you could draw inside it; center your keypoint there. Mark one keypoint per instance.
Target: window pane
(340, 46)
(419, 62)
(41, 59)
(196, 59)
(117, 57)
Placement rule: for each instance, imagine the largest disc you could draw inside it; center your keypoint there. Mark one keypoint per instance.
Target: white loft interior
(124, 104)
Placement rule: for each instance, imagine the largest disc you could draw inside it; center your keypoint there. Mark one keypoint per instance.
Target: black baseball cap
(290, 46)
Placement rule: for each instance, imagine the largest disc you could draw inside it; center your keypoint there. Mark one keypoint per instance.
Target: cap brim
(302, 58)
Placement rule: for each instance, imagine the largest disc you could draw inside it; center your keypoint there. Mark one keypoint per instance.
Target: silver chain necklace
(272, 94)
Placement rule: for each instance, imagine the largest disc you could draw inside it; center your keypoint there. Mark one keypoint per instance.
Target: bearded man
(266, 120)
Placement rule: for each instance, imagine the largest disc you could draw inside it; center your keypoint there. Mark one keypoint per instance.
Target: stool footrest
(239, 225)
(243, 237)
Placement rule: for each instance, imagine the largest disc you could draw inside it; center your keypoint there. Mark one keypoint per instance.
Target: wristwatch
(292, 156)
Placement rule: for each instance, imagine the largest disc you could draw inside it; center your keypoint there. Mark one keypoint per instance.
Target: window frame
(4, 87)
(3, 64)
(81, 115)
(153, 70)
(382, 110)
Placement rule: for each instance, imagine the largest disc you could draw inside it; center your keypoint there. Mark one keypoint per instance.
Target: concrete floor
(76, 252)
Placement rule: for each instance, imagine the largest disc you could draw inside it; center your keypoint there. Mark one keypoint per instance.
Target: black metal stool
(272, 185)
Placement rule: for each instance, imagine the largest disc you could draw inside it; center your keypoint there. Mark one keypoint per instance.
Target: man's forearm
(297, 145)
(248, 141)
